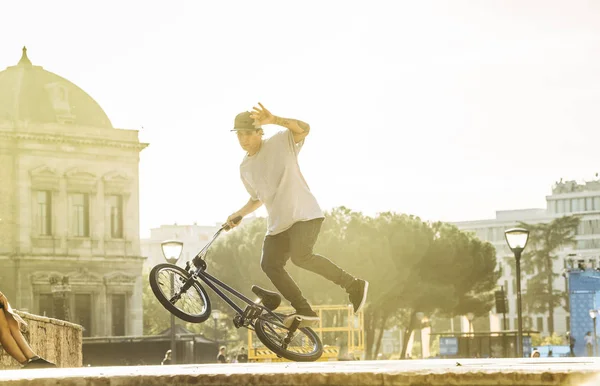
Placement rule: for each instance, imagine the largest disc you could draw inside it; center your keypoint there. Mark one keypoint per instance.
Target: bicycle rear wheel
(179, 293)
(304, 345)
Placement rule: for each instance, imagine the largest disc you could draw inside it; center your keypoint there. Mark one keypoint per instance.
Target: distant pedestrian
(589, 343)
(221, 358)
(242, 356)
(571, 341)
(535, 354)
(167, 359)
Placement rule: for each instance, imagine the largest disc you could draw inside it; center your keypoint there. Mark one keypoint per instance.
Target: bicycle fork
(186, 286)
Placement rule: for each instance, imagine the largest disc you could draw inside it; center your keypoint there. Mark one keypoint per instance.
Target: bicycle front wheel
(179, 293)
(303, 346)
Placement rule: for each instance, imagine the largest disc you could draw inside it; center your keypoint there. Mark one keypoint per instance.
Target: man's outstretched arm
(299, 128)
(250, 207)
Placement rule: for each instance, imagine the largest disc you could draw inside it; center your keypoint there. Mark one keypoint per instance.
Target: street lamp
(216, 315)
(516, 238)
(171, 250)
(470, 316)
(593, 315)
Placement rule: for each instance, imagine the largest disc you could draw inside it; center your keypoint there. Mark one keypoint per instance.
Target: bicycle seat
(270, 299)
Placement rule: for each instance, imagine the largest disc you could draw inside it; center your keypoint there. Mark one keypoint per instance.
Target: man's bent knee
(269, 269)
(302, 260)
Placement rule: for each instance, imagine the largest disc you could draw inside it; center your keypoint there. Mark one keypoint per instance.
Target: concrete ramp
(539, 371)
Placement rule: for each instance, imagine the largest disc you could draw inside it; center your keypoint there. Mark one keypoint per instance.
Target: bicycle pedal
(293, 322)
(251, 312)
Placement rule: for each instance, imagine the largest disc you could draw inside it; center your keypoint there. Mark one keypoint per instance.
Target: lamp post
(171, 250)
(419, 316)
(216, 315)
(516, 238)
(470, 316)
(593, 315)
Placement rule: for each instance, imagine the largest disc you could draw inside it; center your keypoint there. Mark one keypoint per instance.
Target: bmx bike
(179, 291)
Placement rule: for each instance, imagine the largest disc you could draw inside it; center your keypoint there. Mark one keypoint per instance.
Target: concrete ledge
(530, 372)
(56, 340)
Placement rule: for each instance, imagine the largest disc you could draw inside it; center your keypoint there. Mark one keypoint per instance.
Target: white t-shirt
(273, 176)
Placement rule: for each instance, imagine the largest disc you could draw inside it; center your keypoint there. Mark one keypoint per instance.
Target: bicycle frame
(199, 272)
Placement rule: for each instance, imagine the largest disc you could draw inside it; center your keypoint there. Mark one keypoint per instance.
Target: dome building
(69, 205)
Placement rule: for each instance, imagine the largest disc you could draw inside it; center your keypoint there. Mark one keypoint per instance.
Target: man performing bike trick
(271, 175)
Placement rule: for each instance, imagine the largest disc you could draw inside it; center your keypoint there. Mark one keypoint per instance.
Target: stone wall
(58, 341)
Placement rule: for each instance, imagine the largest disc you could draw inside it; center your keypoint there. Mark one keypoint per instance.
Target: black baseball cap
(243, 121)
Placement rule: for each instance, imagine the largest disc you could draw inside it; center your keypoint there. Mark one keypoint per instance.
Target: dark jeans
(297, 244)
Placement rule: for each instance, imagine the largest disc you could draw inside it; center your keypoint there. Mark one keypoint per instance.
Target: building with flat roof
(567, 198)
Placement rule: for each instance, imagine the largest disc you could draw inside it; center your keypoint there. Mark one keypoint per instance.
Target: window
(44, 212)
(560, 206)
(118, 315)
(46, 305)
(83, 312)
(53, 306)
(594, 227)
(80, 215)
(115, 203)
(589, 203)
(581, 228)
(575, 205)
(540, 324)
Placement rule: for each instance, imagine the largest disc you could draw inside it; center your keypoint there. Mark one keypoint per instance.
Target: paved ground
(543, 371)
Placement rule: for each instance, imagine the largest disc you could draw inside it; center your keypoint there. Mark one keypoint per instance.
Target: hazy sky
(447, 110)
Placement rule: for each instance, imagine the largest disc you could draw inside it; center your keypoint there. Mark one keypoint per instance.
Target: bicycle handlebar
(236, 220)
(224, 227)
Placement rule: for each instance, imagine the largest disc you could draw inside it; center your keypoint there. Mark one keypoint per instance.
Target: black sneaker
(357, 292)
(38, 363)
(308, 317)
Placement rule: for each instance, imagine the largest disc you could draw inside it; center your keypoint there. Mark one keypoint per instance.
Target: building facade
(69, 205)
(567, 198)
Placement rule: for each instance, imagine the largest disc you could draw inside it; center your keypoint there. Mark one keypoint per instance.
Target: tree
(544, 241)
(156, 317)
(412, 266)
(455, 276)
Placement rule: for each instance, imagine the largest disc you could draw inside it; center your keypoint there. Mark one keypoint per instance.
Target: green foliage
(544, 241)
(411, 265)
(550, 340)
(156, 317)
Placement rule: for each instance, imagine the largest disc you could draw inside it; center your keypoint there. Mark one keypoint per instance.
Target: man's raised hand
(261, 115)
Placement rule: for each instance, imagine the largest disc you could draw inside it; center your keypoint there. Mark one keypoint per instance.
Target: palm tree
(544, 241)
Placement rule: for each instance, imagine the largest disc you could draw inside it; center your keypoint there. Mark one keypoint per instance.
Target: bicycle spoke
(189, 301)
(299, 343)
